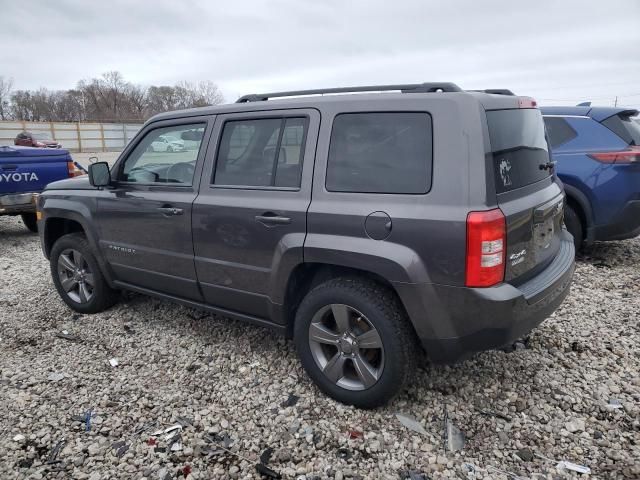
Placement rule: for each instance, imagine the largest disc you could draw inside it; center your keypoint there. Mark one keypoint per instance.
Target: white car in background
(167, 143)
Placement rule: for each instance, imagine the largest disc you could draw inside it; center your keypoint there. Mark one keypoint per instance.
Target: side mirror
(99, 175)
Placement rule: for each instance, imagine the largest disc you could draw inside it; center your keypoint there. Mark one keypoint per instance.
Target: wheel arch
(56, 227)
(306, 276)
(579, 202)
(59, 222)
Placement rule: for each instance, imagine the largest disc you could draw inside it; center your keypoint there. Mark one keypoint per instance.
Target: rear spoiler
(632, 112)
(496, 91)
(599, 115)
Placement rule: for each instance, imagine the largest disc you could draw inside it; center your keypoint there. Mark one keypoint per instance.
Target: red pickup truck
(28, 139)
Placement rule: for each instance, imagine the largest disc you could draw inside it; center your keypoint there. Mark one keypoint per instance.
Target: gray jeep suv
(367, 226)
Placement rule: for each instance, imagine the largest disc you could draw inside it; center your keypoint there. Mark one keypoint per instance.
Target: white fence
(77, 137)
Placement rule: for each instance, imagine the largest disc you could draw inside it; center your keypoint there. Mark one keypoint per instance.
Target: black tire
(383, 311)
(30, 221)
(574, 225)
(170, 149)
(103, 296)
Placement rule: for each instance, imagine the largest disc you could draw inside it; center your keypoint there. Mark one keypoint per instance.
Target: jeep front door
(145, 219)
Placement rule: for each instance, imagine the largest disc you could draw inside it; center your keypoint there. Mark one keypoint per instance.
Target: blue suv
(597, 150)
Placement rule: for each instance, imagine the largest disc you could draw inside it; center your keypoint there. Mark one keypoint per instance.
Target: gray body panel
(242, 263)
(428, 231)
(143, 244)
(216, 255)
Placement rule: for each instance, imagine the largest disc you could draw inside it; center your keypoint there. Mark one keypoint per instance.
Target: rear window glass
(625, 127)
(380, 153)
(519, 147)
(559, 131)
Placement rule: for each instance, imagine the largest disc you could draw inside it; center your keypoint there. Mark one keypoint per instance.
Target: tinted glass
(261, 153)
(559, 131)
(625, 127)
(380, 153)
(165, 155)
(291, 153)
(519, 147)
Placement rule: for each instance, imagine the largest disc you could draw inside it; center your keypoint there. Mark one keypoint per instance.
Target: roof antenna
(584, 104)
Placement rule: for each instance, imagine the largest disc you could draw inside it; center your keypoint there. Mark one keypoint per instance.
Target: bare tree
(6, 84)
(137, 100)
(108, 98)
(21, 107)
(35, 106)
(209, 93)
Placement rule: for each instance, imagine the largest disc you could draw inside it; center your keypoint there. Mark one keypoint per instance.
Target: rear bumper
(625, 225)
(455, 322)
(14, 204)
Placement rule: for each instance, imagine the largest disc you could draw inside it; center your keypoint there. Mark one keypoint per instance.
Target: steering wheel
(143, 170)
(180, 172)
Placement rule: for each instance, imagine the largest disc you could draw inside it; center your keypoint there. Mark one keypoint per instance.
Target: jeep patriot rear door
(249, 219)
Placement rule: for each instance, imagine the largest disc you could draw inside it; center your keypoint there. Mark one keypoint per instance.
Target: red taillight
(73, 170)
(486, 244)
(631, 155)
(527, 102)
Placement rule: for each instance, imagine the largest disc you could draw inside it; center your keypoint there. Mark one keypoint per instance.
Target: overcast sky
(560, 52)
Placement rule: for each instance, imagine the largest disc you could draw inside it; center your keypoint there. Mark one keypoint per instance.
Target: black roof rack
(408, 88)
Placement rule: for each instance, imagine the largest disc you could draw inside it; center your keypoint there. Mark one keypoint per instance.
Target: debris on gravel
(564, 401)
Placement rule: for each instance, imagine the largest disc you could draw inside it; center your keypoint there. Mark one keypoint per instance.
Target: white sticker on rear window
(505, 168)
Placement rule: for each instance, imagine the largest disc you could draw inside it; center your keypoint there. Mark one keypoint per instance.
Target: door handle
(167, 211)
(270, 219)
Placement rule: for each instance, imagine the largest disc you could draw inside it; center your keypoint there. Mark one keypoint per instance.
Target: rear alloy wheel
(77, 276)
(355, 341)
(346, 347)
(30, 221)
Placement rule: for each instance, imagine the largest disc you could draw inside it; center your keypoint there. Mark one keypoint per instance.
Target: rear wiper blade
(550, 165)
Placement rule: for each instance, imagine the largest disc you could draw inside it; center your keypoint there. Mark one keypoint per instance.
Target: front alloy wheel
(75, 275)
(346, 347)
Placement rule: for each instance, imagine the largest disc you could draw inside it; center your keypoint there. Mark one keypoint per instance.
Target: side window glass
(559, 131)
(380, 153)
(291, 153)
(165, 155)
(261, 153)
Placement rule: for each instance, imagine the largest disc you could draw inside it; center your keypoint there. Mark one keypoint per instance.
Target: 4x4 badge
(517, 258)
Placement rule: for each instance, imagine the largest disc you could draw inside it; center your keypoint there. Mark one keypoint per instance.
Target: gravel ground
(236, 385)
